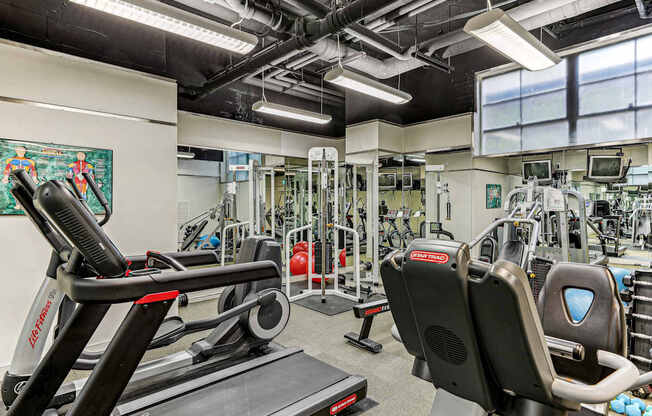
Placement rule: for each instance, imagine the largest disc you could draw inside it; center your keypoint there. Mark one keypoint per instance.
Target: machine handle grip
(75, 190)
(617, 382)
(167, 260)
(566, 349)
(100, 197)
(23, 178)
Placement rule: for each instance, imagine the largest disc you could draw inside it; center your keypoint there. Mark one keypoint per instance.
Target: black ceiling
(70, 28)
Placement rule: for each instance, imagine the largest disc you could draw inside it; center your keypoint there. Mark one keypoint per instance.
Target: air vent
(448, 346)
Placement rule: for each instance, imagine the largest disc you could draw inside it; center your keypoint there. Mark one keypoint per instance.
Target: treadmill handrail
(120, 290)
(621, 380)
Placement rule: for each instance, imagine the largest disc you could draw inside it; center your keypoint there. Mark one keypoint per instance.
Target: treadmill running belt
(259, 392)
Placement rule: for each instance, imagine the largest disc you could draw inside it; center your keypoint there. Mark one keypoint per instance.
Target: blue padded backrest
(578, 303)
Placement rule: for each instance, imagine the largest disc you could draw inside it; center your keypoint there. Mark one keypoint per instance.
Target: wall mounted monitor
(407, 181)
(605, 168)
(541, 169)
(387, 181)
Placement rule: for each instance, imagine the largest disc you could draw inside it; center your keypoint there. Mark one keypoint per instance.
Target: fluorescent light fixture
(185, 155)
(290, 112)
(162, 16)
(360, 83)
(499, 31)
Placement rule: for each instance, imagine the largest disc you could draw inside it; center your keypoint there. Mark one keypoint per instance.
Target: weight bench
(367, 312)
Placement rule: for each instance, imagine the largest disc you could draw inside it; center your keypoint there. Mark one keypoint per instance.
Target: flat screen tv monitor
(407, 181)
(387, 180)
(605, 168)
(541, 169)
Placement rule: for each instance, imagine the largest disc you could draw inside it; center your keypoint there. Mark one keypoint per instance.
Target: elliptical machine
(246, 329)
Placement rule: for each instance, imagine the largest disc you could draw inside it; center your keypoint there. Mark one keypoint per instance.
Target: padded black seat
(258, 248)
(580, 302)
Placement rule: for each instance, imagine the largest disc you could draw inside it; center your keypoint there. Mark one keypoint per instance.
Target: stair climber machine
(236, 368)
(477, 334)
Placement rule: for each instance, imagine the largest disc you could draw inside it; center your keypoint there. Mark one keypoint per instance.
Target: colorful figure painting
(43, 162)
(494, 196)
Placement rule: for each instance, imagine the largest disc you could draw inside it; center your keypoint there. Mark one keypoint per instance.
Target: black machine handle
(110, 291)
(23, 190)
(165, 259)
(75, 190)
(22, 177)
(100, 197)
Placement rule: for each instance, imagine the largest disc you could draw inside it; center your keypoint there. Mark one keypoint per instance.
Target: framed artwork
(46, 161)
(494, 196)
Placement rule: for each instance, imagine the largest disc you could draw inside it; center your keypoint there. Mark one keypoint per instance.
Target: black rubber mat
(334, 305)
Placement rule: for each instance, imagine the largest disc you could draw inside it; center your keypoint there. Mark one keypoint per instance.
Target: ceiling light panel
(504, 34)
(360, 83)
(170, 19)
(291, 112)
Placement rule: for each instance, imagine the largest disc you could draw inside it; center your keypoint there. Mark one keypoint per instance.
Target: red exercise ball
(299, 247)
(299, 263)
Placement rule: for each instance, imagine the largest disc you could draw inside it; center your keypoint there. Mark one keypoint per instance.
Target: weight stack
(638, 346)
(329, 257)
(540, 270)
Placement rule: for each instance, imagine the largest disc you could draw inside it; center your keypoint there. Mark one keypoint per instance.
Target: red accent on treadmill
(157, 297)
(373, 311)
(343, 404)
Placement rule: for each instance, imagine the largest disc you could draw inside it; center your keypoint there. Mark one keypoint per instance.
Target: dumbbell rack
(639, 317)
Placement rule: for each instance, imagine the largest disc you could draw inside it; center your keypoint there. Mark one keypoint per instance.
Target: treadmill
(283, 381)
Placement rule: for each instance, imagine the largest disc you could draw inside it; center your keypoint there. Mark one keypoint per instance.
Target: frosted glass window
(597, 129)
(504, 141)
(608, 62)
(550, 79)
(644, 54)
(545, 136)
(616, 94)
(644, 89)
(544, 107)
(644, 124)
(497, 116)
(502, 87)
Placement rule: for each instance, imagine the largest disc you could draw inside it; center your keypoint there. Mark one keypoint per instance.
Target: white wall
(444, 133)
(219, 133)
(440, 134)
(144, 162)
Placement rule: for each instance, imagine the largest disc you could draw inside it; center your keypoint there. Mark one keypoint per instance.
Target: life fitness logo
(40, 320)
(343, 404)
(429, 257)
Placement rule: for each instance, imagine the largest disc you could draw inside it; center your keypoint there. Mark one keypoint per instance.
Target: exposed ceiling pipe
(569, 11)
(274, 87)
(314, 7)
(383, 22)
(313, 31)
(643, 11)
(425, 7)
(251, 11)
(298, 86)
(391, 67)
(377, 41)
(396, 5)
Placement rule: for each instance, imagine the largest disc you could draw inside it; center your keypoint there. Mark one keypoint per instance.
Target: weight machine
(327, 218)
